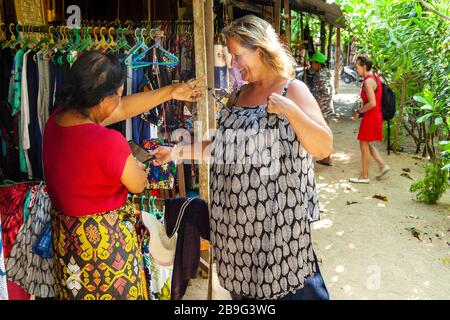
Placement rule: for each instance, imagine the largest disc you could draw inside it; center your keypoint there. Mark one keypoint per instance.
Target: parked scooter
(349, 75)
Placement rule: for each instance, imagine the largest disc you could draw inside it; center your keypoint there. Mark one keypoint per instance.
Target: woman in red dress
(371, 128)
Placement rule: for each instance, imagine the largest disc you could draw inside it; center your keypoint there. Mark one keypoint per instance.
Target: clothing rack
(92, 30)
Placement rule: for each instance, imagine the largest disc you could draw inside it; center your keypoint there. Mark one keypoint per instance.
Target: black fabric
(53, 72)
(194, 224)
(6, 61)
(35, 151)
(9, 126)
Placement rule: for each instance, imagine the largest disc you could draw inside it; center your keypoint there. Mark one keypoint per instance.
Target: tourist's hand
(162, 155)
(190, 91)
(278, 104)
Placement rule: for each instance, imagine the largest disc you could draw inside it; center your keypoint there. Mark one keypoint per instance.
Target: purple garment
(192, 225)
(236, 78)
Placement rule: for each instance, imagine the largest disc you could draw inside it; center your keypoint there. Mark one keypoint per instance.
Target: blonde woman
(263, 192)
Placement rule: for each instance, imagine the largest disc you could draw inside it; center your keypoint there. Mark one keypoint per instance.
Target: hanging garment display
(160, 177)
(3, 286)
(30, 271)
(189, 218)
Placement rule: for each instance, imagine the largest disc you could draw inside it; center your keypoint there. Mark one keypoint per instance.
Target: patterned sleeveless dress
(263, 196)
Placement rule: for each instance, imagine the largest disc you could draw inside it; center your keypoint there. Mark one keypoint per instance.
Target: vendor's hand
(162, 155)
(190, 91)
(278, 104)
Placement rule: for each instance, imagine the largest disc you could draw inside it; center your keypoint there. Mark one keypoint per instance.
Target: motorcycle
(349, 75)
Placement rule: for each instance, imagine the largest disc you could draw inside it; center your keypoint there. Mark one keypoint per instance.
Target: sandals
(360, 180)
(383, 171)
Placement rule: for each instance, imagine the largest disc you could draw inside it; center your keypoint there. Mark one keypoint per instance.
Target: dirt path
(364, 249)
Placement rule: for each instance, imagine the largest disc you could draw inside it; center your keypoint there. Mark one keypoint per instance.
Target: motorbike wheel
(347, 79)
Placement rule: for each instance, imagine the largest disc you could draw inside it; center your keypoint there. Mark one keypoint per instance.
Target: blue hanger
(171, 62)
(140, 44)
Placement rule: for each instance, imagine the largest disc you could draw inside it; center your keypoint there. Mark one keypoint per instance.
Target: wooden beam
(277, 16)
(337, 60)
(287, 16)
(248, 6)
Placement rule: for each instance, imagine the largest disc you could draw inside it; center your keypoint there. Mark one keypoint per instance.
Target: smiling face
(248, 61)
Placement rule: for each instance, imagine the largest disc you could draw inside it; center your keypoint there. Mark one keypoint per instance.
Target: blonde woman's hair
(252, 33)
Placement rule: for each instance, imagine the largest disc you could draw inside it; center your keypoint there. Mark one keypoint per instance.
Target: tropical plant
(409, 42)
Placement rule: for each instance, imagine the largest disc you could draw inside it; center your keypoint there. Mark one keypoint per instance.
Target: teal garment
(3, 143)
(15, 91)
(22, 160)
(26, 204)
(14, 99)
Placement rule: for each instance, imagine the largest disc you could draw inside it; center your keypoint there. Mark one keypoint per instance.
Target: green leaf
(426, 107)
(348, 8)
(438, 121)
(432, 128)
(424, 118)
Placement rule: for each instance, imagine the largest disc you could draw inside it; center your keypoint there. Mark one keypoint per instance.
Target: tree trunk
(337, 61)
(330, 39)
(400, 114)
(425, 134)
(323, 37)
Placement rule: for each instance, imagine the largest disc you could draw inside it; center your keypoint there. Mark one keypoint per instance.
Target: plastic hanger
(112, 45)
(142, 202)
(139, 44)
(154, 209)
(172, 60)
(150, 205)
(103, 44)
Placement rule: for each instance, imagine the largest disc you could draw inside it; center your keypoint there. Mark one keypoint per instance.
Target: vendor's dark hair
(365, 61)
(93, 77)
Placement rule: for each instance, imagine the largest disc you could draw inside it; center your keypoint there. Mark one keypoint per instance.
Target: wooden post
(287, 16)
(202, 126)
(277, 19)
(337, 60)
(330, 42)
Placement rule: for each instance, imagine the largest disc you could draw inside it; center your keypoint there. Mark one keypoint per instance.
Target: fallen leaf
(413, 217)
(417, 158)
(415, 233)
(351, 202)
(384, 198)
(406, 176)
(446, 260)
(406, 169)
